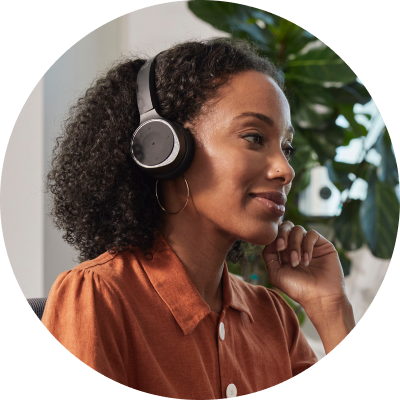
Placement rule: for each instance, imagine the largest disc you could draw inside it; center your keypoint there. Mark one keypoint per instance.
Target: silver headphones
(162, 148)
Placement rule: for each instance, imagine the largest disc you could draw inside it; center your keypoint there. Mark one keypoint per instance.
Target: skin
(226, 168)
(229, 164)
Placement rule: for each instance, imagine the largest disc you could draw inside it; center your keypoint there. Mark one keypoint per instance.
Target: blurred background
(346, 184)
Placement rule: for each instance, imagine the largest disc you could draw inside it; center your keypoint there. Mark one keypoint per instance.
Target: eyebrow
(263, 118)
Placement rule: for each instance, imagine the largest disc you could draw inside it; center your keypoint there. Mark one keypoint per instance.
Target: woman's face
(243, 143)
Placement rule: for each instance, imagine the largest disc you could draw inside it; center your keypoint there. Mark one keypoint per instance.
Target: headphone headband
(146, 94)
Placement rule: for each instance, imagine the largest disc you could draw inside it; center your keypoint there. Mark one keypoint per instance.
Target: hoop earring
(187, 186)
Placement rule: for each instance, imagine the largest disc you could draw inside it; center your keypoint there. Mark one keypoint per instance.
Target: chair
(38, 306)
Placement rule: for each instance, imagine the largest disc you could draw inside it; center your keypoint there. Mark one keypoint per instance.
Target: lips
(276, 197)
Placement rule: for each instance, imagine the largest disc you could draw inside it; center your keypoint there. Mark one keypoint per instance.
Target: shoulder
(106, 273)
(110, 266)
(101, 284)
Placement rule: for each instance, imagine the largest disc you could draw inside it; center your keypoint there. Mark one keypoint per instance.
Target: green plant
(320, 87)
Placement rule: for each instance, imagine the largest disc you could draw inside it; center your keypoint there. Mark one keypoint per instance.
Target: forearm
(333, 320)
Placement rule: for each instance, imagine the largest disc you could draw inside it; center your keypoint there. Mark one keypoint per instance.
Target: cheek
(237, 176)
(222, 178)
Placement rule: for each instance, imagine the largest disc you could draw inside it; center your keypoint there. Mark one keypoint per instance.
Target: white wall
(36, 250)
(153, 29)
(22, 199)
(69, 76)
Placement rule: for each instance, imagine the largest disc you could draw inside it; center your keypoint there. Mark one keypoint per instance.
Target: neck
(202, 254)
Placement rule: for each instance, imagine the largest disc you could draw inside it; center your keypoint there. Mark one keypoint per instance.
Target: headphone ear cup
(164, 149)
(187, 143)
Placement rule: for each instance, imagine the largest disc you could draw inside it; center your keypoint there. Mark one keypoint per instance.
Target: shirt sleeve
(83, 313)
(301, 354)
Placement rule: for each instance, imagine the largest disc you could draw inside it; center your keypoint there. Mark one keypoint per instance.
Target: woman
(153, 306)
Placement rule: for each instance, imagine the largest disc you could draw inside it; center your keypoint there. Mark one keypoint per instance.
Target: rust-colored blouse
(142, 323)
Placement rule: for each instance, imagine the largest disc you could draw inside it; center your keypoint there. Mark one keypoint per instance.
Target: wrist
(333, 319)
(329, 306)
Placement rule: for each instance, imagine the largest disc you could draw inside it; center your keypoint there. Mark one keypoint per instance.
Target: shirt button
(221, 331)
(231, 390)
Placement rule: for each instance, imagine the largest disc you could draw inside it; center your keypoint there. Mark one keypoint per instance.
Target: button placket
(231, 391)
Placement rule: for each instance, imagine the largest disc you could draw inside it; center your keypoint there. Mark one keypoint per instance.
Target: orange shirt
(143, 323)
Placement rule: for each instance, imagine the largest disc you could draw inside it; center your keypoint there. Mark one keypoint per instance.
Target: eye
(290, 150)
(256, 138)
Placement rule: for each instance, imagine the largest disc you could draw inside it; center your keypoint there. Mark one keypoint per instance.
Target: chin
(263, 234)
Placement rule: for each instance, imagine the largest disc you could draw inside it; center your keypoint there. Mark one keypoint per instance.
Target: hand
(309, 270)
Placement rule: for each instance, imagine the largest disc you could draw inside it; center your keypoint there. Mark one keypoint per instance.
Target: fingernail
(294, 258)
(306, 259)
(280, 244)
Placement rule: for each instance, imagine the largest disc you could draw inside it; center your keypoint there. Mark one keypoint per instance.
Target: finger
(308, 245)
(271, 259)
(283, 234)
(270, 252)
(295, 241)
(280, 242)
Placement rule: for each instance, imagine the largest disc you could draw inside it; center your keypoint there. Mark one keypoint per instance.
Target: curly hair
(100, 198)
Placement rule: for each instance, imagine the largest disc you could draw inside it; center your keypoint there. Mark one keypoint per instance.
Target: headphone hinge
(151, 114)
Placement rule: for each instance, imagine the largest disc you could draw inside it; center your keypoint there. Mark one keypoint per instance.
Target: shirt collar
(173, 284)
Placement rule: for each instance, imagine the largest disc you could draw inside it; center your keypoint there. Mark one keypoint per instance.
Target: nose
(280, 169)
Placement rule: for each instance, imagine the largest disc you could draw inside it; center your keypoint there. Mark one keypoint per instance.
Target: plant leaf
(236, 19)
(339, 172)
(387, 170)
(352, 93)
(312, 104)
(348, 226)
(320, 66)
(345, 262)
(357, 129)
(325, 139)
(339, 179)
(292, 39)
(379, 215)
